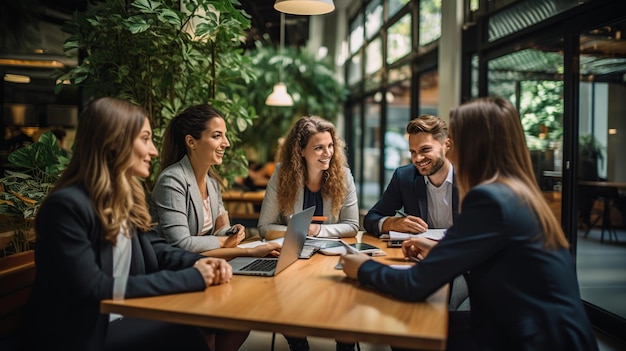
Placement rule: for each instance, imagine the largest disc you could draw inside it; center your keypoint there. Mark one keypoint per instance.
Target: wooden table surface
(309, 298)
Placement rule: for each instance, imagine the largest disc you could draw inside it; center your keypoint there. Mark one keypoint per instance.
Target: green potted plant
(166, 55)
(33, 171)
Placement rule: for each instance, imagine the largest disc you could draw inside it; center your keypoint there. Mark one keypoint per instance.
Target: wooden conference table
(309, 298)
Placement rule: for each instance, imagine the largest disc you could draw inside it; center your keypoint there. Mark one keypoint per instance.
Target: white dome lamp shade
(279, 96)
(305, 7)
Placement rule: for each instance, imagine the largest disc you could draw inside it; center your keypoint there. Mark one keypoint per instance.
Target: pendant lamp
(305, 7)
(279, 95)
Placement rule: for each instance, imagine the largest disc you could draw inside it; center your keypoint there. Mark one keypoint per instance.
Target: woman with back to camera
(187, 198)
(312, 171)
(506, 241)
(94, 243)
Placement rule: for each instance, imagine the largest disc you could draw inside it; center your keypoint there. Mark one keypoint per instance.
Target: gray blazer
(346, 225)
(176, 205)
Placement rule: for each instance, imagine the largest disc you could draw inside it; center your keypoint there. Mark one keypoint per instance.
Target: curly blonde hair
(293, 172)
(103, 154)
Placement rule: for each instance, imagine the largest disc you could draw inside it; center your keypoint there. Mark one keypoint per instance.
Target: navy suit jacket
(524, 297)
(407, 189)
(74, 272)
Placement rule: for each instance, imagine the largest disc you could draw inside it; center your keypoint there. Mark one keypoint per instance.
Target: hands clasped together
(215, 271)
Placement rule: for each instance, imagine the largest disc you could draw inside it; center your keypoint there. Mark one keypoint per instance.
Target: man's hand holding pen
(405, 223)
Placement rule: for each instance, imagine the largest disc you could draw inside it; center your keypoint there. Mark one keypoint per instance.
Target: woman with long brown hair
(94, 243)
(506, 241)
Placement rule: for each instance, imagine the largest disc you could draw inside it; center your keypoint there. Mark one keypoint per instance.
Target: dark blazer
(524, 297)
(407, 189)
(74, 272)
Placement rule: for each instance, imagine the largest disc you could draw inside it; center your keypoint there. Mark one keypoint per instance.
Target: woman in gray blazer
(186, 200)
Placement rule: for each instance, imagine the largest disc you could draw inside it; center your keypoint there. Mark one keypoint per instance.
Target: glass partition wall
(392, 77)
(564, 68)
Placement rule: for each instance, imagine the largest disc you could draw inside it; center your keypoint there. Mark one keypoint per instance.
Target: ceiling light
(16, 78)
(31, 63)
(279, 96)
(305, 7)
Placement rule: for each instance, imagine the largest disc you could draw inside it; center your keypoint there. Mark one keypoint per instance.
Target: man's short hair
(429, 124)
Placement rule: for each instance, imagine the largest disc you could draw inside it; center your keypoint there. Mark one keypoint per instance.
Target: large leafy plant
(167, 55)
(30, 176)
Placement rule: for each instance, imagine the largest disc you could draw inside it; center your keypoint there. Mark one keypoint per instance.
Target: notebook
(313, 245)
(297, 229)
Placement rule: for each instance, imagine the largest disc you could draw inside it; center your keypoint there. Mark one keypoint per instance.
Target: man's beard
(435, 167)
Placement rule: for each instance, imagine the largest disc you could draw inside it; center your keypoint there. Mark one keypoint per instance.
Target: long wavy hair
(293, 170)
(103, 153)
(489, 142)
(192, 121)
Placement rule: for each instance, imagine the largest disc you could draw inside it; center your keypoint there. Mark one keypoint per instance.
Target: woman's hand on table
(314, 229)
(215, 271)
(271, 249)
(417, 249)
(352, 262)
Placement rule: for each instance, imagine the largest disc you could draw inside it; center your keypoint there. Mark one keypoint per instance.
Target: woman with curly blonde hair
(312, 171)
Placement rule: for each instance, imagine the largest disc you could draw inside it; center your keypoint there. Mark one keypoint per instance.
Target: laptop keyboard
(260, 265)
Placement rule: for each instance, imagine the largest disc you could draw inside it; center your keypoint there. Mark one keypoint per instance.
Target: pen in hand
(402, 213)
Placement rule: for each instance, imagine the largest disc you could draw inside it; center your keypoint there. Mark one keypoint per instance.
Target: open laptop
(297, 229)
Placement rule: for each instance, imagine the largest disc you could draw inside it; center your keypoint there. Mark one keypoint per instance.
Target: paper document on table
(252, 244)
(433, 234)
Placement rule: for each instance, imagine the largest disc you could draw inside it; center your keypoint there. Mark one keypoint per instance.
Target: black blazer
(524, 297)
(407, 189)
(74, 272)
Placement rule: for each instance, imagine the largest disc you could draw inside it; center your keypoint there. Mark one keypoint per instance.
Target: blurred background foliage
(311, 82)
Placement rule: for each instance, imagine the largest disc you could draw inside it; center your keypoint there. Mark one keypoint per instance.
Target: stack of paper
(433, 234)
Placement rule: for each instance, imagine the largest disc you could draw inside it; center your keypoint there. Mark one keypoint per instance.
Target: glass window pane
(373, 18)
(398, 115)
(429, 93)
(354, 70)
(430, 21)
(474, 5)
(355, 148)
(393, 6)
(371, 154)
(399, 39)
(602, 171)
(400, 73)
(373, 56)
(474, 87)
(532, 80)
(356, 34)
